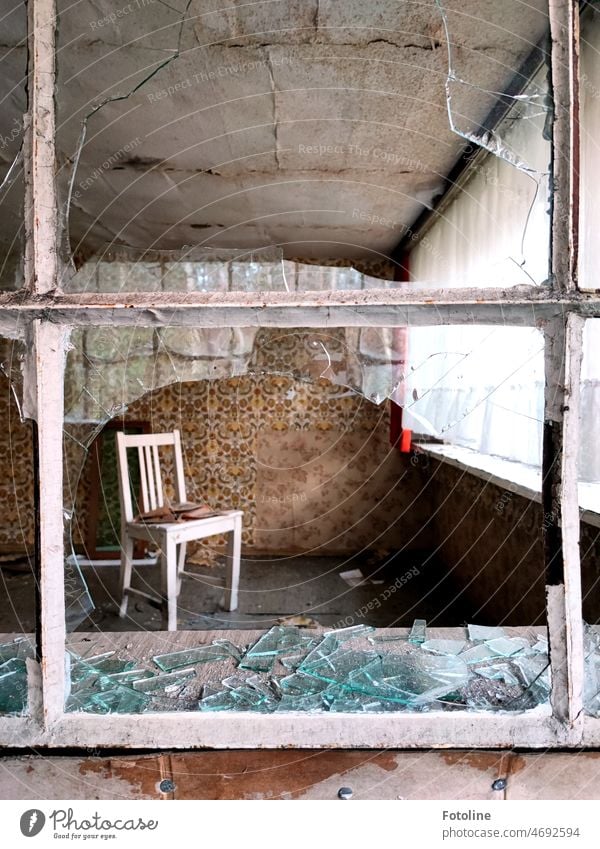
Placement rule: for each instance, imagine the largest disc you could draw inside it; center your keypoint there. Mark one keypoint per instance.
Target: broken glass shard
(499, 672)
(477, 654)
(484, 632)
(386, 638)
(20, 648)
(201, 654)
(301, 703)
(233, 650)
(157, 683)
(415, 679)
(301, 685)
(279, 640)
(418, 632)
(535, 670)
(444, 646)
(121, 699)
(233, 681)
(13, 693)
(218, 701)
(339, 666)
(108, 682)
(15, 664)
(507, 646)
(351, 633)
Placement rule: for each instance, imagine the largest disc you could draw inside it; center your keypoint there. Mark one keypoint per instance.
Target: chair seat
(185, 531)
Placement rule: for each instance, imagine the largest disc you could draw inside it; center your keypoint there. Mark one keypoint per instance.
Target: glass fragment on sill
(13, 693)
(507, 646)
(418, 632)
(484, 632)
(14, 664)
(414, 679)
(335, 676)
(303, 703)
(386, 638)
(200, 654)
(444, 646)
(536, 673)
(499, 672)
(278, 641)
(230, 647)
(339, 666)
(218, 701)
(351, 633)
(152, 683)
(20, 648)
(477, 653)
(13, 676)
(301, 685)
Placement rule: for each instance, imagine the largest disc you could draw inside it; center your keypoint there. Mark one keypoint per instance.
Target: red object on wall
(406, 441)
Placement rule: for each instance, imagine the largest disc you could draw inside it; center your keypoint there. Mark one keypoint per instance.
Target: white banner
(223, 824)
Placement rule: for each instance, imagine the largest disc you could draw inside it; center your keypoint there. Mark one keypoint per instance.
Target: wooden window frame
(559, 310)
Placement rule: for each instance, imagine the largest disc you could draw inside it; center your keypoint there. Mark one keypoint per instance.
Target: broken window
(200, 153)
(207, 136)
(292, 426)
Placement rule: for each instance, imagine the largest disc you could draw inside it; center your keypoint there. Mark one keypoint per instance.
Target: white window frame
(558, 310)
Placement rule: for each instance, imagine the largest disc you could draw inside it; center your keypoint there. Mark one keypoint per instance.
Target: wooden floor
(305, 774)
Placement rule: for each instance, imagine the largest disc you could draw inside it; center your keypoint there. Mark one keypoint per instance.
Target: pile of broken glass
(356, 669)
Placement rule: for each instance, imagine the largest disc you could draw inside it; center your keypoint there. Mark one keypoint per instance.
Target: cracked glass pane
(493, 229)
(486, 114)
(13, 68)
(480, 389)
(315, 130)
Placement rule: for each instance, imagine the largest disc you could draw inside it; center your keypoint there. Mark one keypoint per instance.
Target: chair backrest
(151, 477)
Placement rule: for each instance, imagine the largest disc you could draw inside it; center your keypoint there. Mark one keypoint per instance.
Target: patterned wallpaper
(491, 542)
(16, 474)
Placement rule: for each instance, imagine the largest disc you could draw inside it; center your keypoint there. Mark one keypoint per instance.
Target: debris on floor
(299, 621)
(356, 578)
(346, 670)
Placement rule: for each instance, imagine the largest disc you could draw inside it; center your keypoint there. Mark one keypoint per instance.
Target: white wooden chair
(168, 536)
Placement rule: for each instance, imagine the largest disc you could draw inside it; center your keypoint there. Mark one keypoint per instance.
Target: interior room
(304, 444)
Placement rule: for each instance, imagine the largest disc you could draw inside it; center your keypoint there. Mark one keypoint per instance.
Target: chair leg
(232, 578)
(168, 563)
(180, 564)
(125, 572)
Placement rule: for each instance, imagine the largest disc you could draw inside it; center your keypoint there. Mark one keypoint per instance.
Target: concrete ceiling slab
(271, 122)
